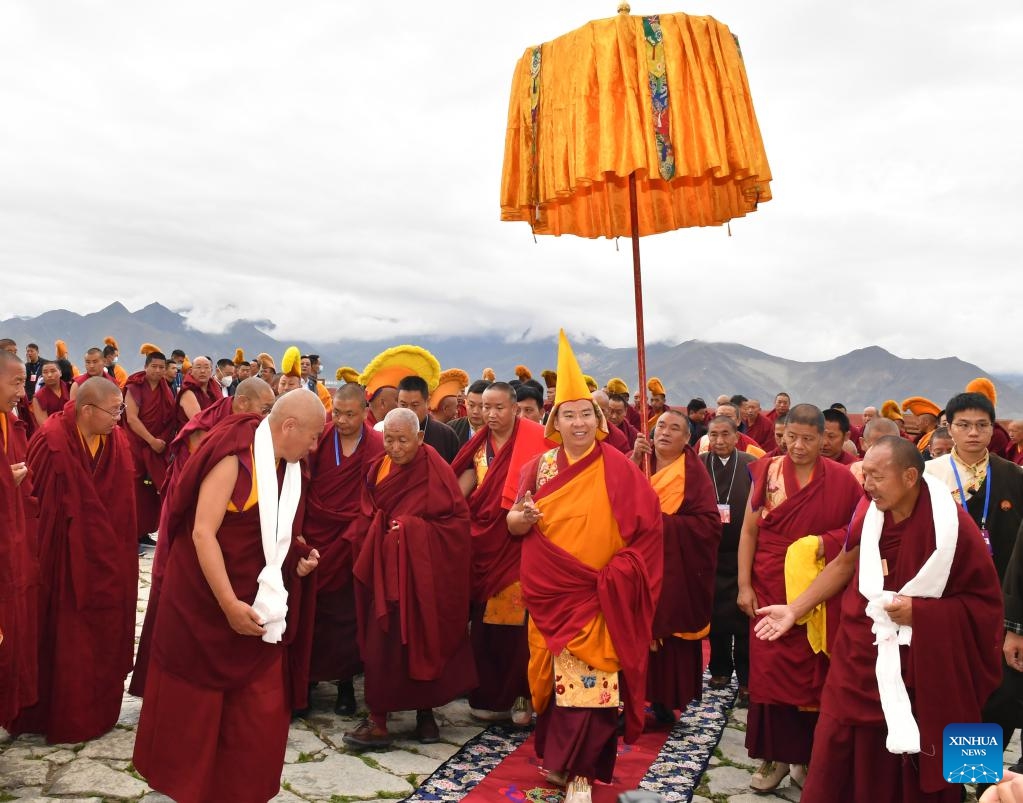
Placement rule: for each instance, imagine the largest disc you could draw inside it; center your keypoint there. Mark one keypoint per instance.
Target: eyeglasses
(966, 426)
(115, 414)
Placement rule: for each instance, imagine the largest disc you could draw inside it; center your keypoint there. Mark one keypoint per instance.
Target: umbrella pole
(640, 338)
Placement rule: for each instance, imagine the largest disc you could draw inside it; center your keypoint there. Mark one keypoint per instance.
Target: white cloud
(335, 168)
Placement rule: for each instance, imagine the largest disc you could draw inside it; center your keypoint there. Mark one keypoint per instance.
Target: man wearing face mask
(225, 376)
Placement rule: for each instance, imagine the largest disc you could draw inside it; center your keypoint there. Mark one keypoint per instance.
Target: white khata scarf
(903, 731)
(276, 516)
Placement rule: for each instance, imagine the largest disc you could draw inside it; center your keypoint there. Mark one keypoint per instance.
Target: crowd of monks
(537, 547)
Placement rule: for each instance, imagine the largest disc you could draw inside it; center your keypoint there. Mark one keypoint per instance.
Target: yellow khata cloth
(670, 485)
(665, 97)
(579, 519)
(479, 461)
(801, 568)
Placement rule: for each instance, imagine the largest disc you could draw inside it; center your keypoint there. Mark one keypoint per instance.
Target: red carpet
(518, 777)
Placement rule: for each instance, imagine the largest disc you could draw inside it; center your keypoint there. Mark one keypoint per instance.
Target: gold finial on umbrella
(624, 8)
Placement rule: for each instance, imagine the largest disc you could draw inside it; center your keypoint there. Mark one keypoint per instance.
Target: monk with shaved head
(19, 586)
(346, 448)
(252, 396)
(83, 473)
(231, 635)
(199, 390)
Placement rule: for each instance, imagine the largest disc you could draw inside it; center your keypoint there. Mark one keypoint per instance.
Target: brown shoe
(367, 737)
(427, 731)
(768, 776)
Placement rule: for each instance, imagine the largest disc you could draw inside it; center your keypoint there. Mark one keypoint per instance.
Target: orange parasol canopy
(664, 98)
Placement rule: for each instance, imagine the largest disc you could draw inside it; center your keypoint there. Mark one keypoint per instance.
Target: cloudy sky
(335, 167)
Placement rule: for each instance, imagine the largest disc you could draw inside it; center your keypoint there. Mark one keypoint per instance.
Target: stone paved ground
(317, 768)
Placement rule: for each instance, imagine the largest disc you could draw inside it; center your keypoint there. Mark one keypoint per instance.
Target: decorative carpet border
(674, 775)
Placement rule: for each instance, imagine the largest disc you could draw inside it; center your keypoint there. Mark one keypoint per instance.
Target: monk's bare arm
(39, 413)
(190, 404)
(467, 481)
(747, 599)
(131, 412)
(214, 496)
(779, 619)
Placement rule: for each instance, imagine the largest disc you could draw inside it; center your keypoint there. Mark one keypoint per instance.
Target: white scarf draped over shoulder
(903, 731)
(276, 517)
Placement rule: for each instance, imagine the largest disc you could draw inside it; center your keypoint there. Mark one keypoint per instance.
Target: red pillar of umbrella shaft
(640, 338)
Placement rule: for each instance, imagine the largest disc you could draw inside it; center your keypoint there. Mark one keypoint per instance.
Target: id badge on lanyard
(725, 511)
(987, 501)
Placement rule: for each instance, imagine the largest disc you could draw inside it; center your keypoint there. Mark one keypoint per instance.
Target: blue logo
(972, 753)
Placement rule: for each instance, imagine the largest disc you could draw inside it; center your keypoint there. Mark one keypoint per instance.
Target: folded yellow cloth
(801, 568)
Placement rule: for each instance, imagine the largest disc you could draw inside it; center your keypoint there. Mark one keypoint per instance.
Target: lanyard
(735, 465)
(987, 501)
(337, 447)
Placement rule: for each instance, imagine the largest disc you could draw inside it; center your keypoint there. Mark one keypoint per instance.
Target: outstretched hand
(778, 620)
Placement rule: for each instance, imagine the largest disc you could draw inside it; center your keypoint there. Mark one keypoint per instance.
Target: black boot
(345, 705)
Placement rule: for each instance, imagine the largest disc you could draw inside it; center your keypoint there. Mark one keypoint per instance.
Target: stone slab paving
(318, 768)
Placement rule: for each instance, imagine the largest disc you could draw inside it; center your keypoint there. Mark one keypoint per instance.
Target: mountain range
(693, 368)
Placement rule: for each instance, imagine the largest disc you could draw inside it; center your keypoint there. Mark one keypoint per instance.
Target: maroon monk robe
(1000, 440)
(178, 454)
(691, 538)
(959, 632)
(563, 594)
(241, 688)
(617, 439)
(845, 458)
(157, 413)
(49, 402)
(89, 580)
(78, 380)
(412, 586)
(629, 431)
(786, 674)
(19, 578)
(632, 416)
(1014, 453)
(333, 502)
(501, 651)
(762, 431)
(206, 398)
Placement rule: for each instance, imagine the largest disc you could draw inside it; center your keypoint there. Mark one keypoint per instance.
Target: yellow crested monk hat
(985, 387)
(571, 387)
(591, 383)
(450, 383)
(655, 386)
(617, 387)
(891, 410)
(523, 373)
(266, 361)
(239, 357)
(149, 348)
(389, 367)
(918, 405)
(347, 374)
(291, 362)
(550, 378)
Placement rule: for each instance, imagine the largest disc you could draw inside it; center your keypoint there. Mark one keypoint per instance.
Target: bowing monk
(234, 621)
(796, 518)
(591, 576)
(692, 534)
(412, 577)
(198, 390)
(83, 478)
(19, 568)
(342, 458)
(253, 396)
(920, 578)
(488, 468)
(151, 417)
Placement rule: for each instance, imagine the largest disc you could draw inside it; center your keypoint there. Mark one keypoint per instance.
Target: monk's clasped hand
(20, 471)
(243, 619)
(901, 611)
(306, 565)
